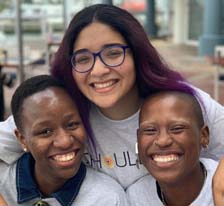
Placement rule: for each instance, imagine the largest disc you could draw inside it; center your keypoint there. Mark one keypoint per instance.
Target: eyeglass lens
(110, 56)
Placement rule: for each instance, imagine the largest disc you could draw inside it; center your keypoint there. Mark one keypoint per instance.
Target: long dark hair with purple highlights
(152, 73)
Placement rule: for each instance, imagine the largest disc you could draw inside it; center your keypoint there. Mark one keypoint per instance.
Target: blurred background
(189, 35)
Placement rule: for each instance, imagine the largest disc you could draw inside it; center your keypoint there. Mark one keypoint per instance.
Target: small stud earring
(25, 149)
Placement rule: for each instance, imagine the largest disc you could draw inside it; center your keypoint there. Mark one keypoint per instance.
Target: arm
(10, 149)
(2, 201)
(214, 118)
(218, 185)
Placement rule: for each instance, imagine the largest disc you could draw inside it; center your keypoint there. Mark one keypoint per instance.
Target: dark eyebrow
(80, 51)
(104, 46)
(112, 44)
(72, 115)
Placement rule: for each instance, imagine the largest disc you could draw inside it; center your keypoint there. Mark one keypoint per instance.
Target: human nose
(63, 139)
(99, 68)
(163, 139)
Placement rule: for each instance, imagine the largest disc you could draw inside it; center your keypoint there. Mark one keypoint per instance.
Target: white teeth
(103, 85)
(165, 158)
(64, 157)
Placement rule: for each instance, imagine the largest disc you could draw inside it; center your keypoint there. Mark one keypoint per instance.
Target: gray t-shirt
(115, 142)
(96, 189)
(144, 193)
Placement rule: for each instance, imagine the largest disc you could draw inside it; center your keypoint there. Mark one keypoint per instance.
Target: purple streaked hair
(152, 73)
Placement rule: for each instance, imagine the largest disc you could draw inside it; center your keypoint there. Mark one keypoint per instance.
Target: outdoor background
(31, 31)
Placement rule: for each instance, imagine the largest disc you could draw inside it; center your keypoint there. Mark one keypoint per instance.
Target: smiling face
(170, 138)
(53, 132)
(105, 86)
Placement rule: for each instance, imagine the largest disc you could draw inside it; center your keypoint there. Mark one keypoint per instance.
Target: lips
(66, 156)
(103, 85)
(165, 158)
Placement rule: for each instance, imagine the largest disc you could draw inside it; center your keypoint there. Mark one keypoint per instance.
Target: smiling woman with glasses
(111, 55)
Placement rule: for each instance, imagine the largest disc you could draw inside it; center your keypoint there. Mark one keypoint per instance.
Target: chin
(69, 174)
(167, 179)
(105, 104)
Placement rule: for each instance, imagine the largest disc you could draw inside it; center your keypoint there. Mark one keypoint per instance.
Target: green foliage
(4, 4)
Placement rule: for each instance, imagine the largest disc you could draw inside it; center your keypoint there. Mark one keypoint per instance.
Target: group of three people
(109, 68)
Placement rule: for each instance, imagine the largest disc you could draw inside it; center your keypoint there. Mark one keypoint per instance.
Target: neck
(185, 192)
(125, 107)
(47, 184)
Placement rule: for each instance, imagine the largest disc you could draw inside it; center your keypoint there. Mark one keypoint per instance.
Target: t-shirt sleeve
(214, 118)
(10, 149)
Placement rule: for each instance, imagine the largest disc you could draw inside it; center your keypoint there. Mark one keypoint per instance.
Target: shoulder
(209, 103)
(105, 181)
(8, 172)
(8, 125)
(100, 189)
(143, 192)
(10, 149)
(146, 181)
(205, 197)
(209, 164)
(5, 168)
(213, 113)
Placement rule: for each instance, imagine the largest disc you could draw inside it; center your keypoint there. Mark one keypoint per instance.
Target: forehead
(47, 99)
(96, 35)
(168, 102)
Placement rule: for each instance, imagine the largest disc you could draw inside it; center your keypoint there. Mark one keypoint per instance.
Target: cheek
(190, 139)
(194, 147)
(128, 67)
(79, 79)
(190, 143)
(128, 74)
(143, 146)
(38, 147)
(81, 135)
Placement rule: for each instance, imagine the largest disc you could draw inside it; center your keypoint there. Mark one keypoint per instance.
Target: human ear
(204, 136)
(21, 140)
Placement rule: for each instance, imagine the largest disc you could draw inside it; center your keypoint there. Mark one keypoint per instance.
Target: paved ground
(198, 70)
